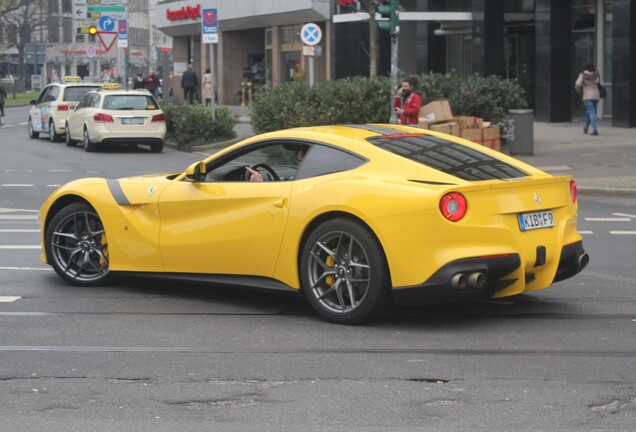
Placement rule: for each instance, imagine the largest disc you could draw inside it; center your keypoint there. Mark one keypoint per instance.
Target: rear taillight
(103, 118)
(453, 206)
(62, 107)
(158, 118)
(573, 191)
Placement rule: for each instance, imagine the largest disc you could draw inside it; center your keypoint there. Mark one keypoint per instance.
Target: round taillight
(453, 206)
(573, 190)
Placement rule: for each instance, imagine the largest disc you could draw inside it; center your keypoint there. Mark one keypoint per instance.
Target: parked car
(106, 117)
(353, 216)
(49, 111)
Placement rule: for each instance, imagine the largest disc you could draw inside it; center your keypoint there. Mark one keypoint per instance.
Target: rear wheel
(344, 273)
(76, 245)
(53, 136)
(157, 147)
(69, 141)
(32, 133)
(89, 146)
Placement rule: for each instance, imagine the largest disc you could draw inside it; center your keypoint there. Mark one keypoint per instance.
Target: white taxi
(105, 117)
(49, 111)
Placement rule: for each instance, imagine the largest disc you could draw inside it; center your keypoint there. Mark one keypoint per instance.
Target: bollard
(522, 141)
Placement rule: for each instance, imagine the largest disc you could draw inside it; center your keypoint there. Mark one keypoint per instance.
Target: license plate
(132, 120)
(530, 221)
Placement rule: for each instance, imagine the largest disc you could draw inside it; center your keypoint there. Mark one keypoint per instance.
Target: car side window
(274, 161)
(324, 159)
(53, 93)
(95, 100)
(43, 95)
(84, 102)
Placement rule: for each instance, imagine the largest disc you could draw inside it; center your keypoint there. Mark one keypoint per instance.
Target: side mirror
(33, 102)
(196, 172)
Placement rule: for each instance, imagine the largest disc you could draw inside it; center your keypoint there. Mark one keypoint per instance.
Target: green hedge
(192, 125)
(362, 100)
(351, 100)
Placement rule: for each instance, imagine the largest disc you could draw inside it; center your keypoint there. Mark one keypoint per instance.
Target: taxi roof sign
(72, 78)
(111, 86)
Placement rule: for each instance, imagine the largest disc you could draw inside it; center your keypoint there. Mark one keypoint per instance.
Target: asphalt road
(145, 355)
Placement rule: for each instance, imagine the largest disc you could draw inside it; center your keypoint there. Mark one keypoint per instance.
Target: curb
(216, 146)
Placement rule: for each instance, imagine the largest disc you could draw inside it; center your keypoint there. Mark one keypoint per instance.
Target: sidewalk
(604, 164)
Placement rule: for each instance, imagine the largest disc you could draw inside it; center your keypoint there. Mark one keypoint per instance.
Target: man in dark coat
(189, 84)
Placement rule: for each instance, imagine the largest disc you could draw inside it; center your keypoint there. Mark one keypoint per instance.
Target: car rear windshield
(130, 102)
(75, 93)
(447, 156)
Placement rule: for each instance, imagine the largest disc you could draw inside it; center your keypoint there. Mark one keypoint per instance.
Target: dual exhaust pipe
(474, 280)
(583, 260)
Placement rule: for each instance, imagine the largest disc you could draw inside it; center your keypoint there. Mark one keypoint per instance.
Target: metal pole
(311, 71)
(213, 79)
(394, 76)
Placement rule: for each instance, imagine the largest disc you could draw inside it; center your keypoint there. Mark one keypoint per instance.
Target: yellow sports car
(354, 216)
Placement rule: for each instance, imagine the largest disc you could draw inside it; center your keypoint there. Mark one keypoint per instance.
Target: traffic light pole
(392, 11)
(394, 75)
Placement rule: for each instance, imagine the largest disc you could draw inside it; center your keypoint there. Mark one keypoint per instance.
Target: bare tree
(27, 18)
(7, 6)
(370, 7)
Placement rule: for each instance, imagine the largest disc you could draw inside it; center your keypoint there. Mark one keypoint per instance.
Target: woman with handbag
(588, 84)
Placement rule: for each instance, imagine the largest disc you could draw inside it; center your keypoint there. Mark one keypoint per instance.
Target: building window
(54, 6)
(53, 29)
(67, 6)
(67, 29)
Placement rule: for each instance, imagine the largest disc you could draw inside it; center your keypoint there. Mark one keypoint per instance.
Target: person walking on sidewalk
(407, 103)
(189, 84)
(3, 95)
(587, 86)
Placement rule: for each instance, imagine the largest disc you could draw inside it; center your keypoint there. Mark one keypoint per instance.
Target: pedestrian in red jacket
(407, 103)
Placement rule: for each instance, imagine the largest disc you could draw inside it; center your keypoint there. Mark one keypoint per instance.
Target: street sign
(309, 51)
(91, 51)
(122, 34)
(107, 39)
(310, 34)
(209, 26)
(114, 12)
(106, 23)
(79, 12)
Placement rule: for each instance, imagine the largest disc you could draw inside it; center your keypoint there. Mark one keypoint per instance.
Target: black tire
(157, 147)
(53, 136)
(32, 133)
(344, 274)
(76, 246)
(67, 137)
(89, 145)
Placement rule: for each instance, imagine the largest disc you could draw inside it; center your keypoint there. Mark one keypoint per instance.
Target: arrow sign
(106, 23)
(80, 12)
(107, 39)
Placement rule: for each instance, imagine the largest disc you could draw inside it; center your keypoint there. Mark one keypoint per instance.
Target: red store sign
(185, 13)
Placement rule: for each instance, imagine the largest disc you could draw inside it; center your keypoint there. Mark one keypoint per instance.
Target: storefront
(258, 45)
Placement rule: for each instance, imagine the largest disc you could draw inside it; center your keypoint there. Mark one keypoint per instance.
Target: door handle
(281, 203)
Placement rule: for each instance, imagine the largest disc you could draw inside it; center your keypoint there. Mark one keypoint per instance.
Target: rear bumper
(437, 289)
(141, 141)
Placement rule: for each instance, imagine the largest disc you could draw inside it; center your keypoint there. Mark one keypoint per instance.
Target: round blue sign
(106, 23)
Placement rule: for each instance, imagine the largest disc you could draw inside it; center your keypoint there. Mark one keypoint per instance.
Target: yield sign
(107, 39)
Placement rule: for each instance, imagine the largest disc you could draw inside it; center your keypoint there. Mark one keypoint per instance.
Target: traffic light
(391, 11)
(92, 31)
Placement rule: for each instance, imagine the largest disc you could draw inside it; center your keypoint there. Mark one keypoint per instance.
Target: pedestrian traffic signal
(390, 11)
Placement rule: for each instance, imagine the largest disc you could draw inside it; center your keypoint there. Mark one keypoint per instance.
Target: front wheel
(344, 273)
(32, 133)
(76, 246)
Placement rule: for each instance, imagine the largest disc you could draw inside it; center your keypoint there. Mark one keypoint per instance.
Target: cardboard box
(450, 128)
(436, 112)
(423, 123)
(491, 137)
(469, 122)
(474, 135)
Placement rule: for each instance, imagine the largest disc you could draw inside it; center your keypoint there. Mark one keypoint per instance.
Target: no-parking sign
(209, 26)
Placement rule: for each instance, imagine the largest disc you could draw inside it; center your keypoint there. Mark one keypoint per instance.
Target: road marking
(556, 168)
(53, 186)
(15, 185)
(623, 214)
(27, 268)
(623, 219)
(19, 230)
(586, 232)
(623, 232)
(9, 299)
(9, 210)
(20, 247)
(17, 217)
